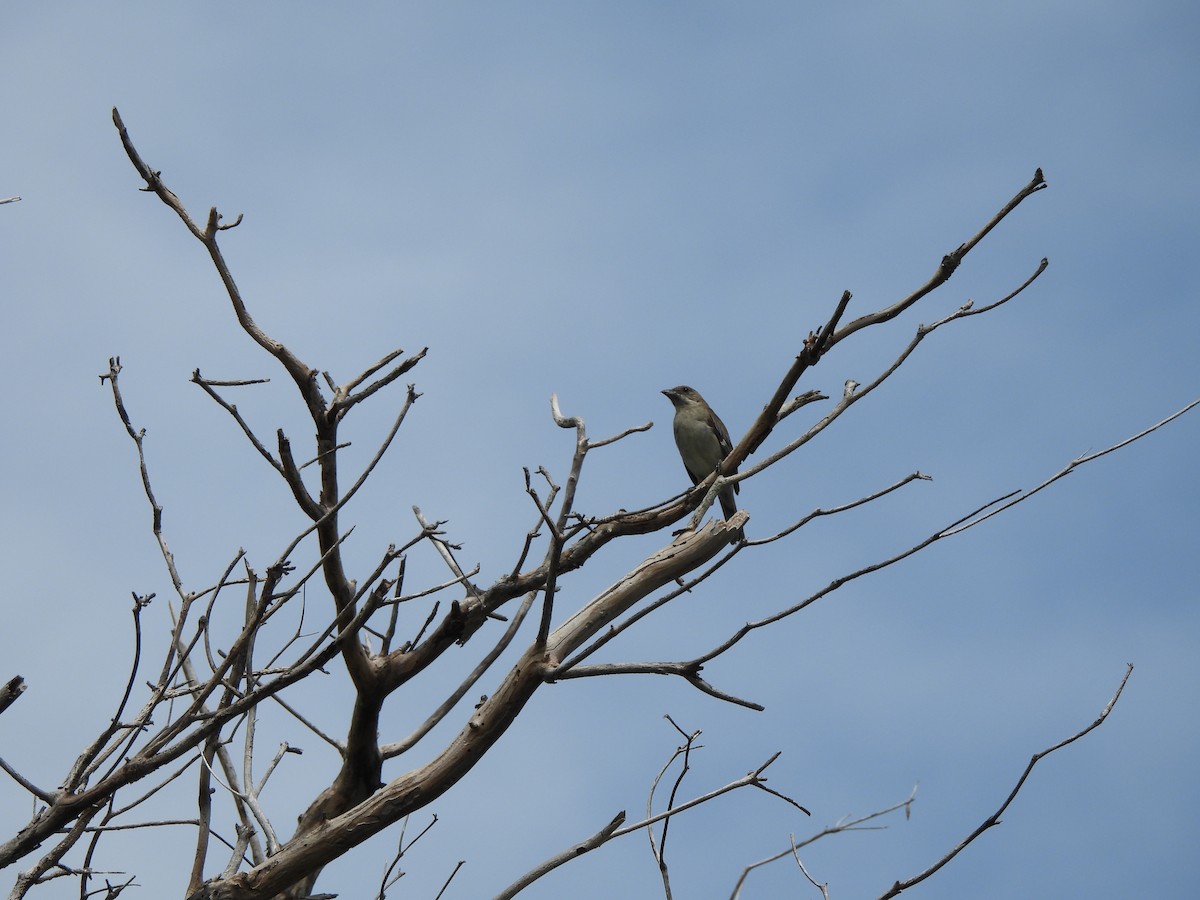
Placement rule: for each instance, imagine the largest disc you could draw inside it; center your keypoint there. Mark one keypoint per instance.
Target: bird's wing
(723, 439)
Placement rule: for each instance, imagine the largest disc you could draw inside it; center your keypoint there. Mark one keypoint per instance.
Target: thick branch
(419, 787)
(10, 691)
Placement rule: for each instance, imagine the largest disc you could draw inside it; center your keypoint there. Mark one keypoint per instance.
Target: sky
(601, 201)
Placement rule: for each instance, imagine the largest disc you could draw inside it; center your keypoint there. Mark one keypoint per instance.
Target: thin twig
(614, 830)
(846, 824)
(459, 865)
(823, 888)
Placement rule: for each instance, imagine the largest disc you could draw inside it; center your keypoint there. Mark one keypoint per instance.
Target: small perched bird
(702, 439)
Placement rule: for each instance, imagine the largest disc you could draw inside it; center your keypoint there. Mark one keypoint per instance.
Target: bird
(702, 439)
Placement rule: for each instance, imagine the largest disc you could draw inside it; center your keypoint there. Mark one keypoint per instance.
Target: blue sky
(603, 200)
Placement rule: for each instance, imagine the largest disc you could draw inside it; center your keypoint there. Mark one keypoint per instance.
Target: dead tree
(206, 688)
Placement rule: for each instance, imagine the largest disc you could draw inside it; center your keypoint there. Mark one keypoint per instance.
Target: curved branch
(994, 818)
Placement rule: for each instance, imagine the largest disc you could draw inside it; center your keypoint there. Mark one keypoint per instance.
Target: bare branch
(303, 375)
(946, 268)
(43, 795)
(389, 751)
(353, 383)
(833, 510)
(445, 550)
(344, 399)
(994, 818)
(207, 386)
(34, 875)
(291, 474)
(228, 382)
(847, 824)
(401, 848)
(214, 748)
(954, 528)
(750, 778)
(689, 671)
(823, 888)
(852, 396)
(799, 402)
(244, 833)
(114, 369)
(614, 830)
(1022, 496)
(660, 852)
(210, 712)
(260, 816)
(825, 338)
(204, 794)
(411, 398)
(335, 744)
(574, 852)
(458, 865)
(10, 691)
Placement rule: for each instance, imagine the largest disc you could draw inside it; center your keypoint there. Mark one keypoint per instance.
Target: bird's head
(682, 396)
